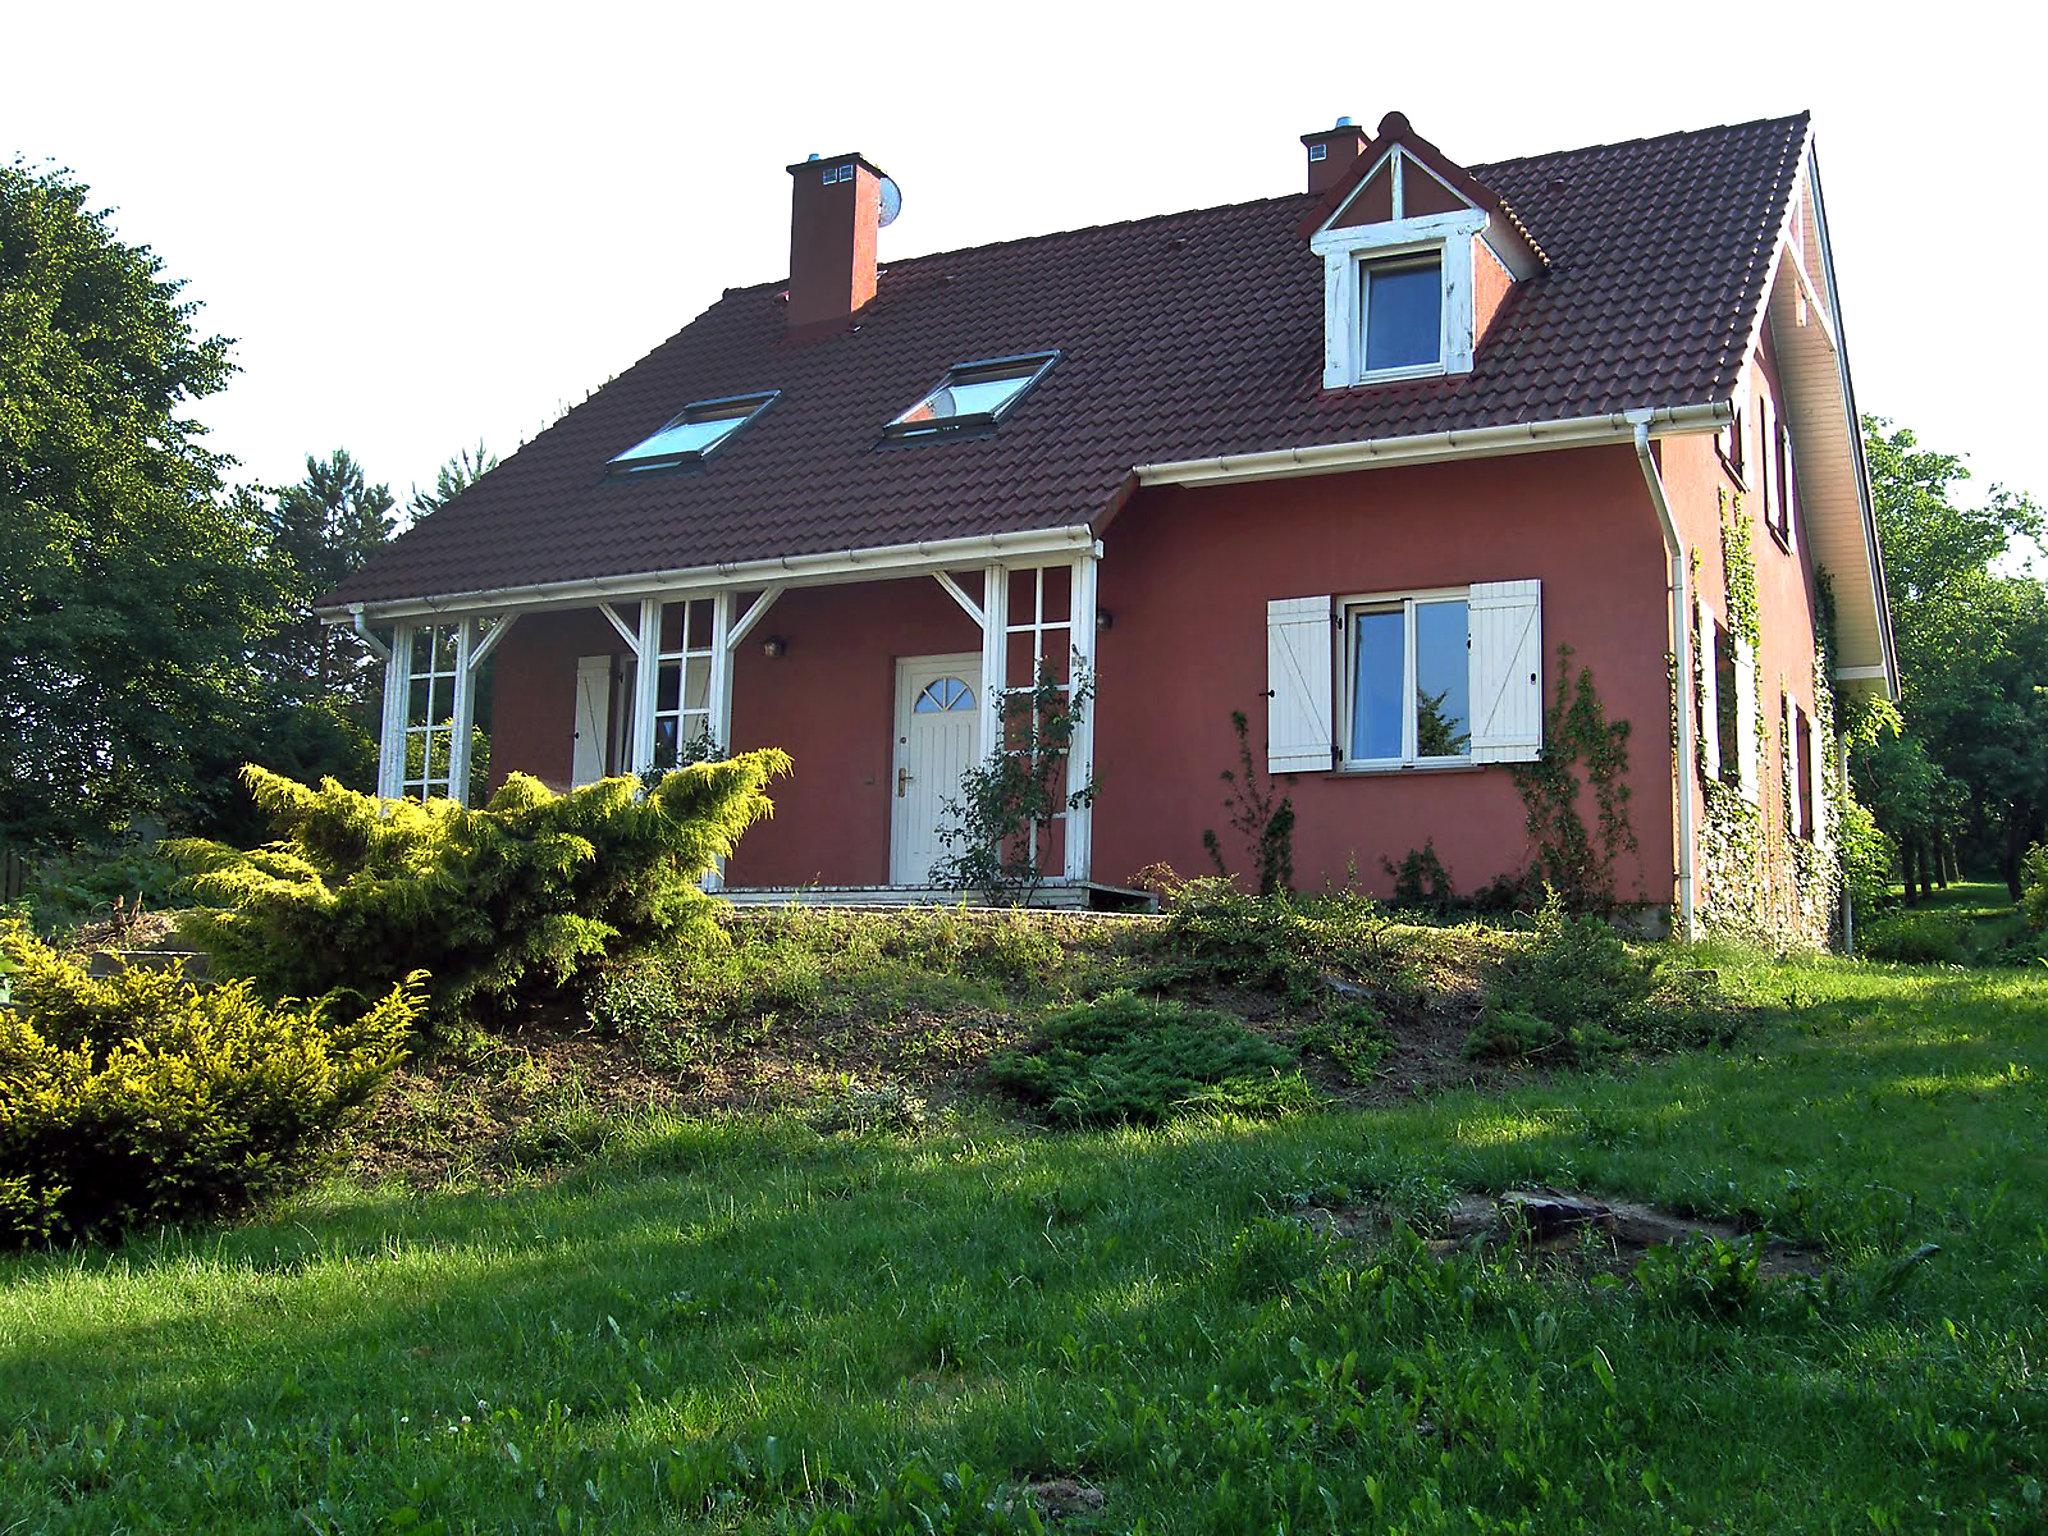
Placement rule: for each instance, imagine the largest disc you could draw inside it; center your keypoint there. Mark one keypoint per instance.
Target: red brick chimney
(1332, 153)
(835, 210)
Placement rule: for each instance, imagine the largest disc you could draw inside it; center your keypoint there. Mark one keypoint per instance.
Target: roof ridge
(1803, 115)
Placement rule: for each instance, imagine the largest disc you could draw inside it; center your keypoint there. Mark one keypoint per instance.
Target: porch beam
(464, 713)
(397, 697)
(995, 657)
(646, 684)
(626, 631)
(1081, 751)
(743, 626)
(971, 607)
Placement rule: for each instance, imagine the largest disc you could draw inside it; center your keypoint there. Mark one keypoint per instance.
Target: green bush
(1577, 992)
(1215, 932)
(143, 1098)
(66, 890)
(1125, 1058)
(361, 892)
(2034, 887)
(1916, 938)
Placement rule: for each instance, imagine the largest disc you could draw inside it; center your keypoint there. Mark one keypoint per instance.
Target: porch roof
(1184, 337)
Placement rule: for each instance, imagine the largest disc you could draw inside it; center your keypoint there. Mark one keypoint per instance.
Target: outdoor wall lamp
(774, 647)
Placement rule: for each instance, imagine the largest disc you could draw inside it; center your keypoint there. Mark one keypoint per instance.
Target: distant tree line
(156, 621)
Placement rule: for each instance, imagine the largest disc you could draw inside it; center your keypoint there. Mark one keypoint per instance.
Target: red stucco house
(1358, 460)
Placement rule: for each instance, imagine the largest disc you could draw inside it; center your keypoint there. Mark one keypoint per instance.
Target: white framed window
(435, 666)
(1397, 298)
(1406, 692)
(1401, 680)
(682, 691)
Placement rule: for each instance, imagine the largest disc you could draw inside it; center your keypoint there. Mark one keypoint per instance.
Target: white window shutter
(1788, 759)
(1506, 670)
(1710, 695)
(1300, 693)
(1745, 715)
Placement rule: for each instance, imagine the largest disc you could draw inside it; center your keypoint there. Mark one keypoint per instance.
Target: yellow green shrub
(359, 892)
(144, 1097)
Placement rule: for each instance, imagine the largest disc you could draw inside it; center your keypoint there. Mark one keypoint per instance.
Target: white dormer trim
(1347, 252)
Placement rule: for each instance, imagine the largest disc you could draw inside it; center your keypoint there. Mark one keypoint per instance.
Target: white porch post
(718, 700)
(646, 686)
(397, 700)
(995, 657)
(1081, 752)
(460, 718)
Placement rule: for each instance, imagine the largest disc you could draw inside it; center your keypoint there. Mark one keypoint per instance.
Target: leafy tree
(451, 480)
(1970, 763)
(319, 531)
(131, 588)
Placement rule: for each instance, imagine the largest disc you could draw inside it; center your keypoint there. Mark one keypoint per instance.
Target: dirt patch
(1058, 1498)
(1561, 1224)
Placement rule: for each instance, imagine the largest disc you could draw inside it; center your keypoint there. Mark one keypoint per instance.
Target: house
(1362, 461)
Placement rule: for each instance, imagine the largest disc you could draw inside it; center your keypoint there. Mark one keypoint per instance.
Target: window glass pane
(1442, 680)
(1404, 314)
(973, 391)
(945, 696)
(667, 741)
(1378, 644)
(697, 682)
(668, 686)
(418, 702)
(693, 432)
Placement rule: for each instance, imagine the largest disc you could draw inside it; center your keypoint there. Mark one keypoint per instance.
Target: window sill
(1396, 770)
(1779, 539)
(1397, 375)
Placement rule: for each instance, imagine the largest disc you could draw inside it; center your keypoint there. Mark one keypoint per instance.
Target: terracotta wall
(1187, 574)
(1186, 577)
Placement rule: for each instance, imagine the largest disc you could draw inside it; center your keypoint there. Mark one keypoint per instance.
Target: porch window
(430, 713)
(693, 434)
(973, 394)
(682, 692)
(1408, 664)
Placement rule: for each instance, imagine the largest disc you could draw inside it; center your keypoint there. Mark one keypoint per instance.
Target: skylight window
(973, 394)
(693, 434)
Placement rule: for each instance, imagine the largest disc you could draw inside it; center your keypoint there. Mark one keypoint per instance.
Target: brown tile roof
(1190, 335)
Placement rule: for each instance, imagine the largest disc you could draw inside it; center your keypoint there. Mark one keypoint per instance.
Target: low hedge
(143, 1097)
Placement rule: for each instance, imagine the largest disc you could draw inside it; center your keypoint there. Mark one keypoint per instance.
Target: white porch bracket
(757, 610)
(968, 604)
(487, 640)
(626, 631)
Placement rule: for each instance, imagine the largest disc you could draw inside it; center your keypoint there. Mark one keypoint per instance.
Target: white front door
(593, 719)
(937, 699)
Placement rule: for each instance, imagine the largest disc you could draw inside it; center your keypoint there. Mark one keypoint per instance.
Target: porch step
(1054, 895)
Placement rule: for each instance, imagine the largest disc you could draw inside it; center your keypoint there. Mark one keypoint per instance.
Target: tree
(132, 588)
(1970, 765)
(319, 531)
(451, 480)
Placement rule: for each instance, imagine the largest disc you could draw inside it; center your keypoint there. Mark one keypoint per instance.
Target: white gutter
(362, 628)
(1681, 641)
(840, 565)
(1475, 442)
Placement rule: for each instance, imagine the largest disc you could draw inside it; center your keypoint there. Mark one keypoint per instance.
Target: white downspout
(1681, 640)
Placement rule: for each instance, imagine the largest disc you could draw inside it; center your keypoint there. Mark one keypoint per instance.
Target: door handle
(902, 779)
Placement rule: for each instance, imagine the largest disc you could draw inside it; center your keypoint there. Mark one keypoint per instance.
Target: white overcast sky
(428, 223)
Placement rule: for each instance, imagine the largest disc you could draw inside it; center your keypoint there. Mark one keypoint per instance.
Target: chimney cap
(1345, 129)
(817, 160)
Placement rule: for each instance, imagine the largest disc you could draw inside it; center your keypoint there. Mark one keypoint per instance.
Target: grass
(746, 1323)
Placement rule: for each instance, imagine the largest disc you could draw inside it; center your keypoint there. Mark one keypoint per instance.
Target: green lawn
(756, 1326)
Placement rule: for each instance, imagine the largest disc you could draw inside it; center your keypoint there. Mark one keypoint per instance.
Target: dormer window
(1402, 314)
(973, 395)
(693, 434)
(1418, 257)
